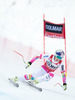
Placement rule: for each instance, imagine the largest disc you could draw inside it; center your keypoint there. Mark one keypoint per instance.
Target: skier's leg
(32, 77)
(40, 78)
(46, 77)
(43, 77)
(37, 73)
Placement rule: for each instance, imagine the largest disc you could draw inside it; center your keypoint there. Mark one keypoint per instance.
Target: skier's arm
(42, 56)
(63, 77)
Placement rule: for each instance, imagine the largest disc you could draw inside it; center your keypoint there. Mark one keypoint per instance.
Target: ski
(38, 88)
(15, 84)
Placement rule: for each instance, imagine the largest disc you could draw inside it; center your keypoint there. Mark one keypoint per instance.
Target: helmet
(59, 54)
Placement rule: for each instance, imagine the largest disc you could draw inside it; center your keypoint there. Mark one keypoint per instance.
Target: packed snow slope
(22, 21)
(12, 65)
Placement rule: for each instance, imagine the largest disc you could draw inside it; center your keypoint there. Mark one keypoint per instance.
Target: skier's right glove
(27, 65)
(64, 86)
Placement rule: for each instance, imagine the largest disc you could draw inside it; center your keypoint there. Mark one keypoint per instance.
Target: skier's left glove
(64, 86)
(27, 65)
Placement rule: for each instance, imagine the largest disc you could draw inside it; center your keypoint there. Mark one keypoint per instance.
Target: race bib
(51, 65)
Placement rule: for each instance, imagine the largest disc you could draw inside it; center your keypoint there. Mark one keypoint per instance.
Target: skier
(46, 71)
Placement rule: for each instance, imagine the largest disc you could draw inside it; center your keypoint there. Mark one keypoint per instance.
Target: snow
(22, 21)
(11, 65)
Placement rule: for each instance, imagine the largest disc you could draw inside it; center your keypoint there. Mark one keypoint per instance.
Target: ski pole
(58, 84)
(20, 55)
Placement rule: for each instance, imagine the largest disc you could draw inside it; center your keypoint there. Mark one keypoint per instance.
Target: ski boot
(15, 79)
(33, 81)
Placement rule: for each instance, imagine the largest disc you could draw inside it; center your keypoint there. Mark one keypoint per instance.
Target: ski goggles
(59, 57)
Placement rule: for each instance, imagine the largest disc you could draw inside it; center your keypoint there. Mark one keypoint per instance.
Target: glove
(27, 65)
(64, 86)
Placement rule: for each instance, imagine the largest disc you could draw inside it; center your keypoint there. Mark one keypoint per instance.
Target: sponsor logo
(50, 65)
(53, 36)
(45, 56)
(54, 28)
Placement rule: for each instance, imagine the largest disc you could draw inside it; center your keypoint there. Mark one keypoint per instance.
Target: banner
(54, 30)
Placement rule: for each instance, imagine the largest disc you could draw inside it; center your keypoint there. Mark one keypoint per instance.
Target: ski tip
(8, 78)
(17, 85)
(40, 89)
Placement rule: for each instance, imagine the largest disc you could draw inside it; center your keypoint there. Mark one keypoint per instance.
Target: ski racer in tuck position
(46, 71)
